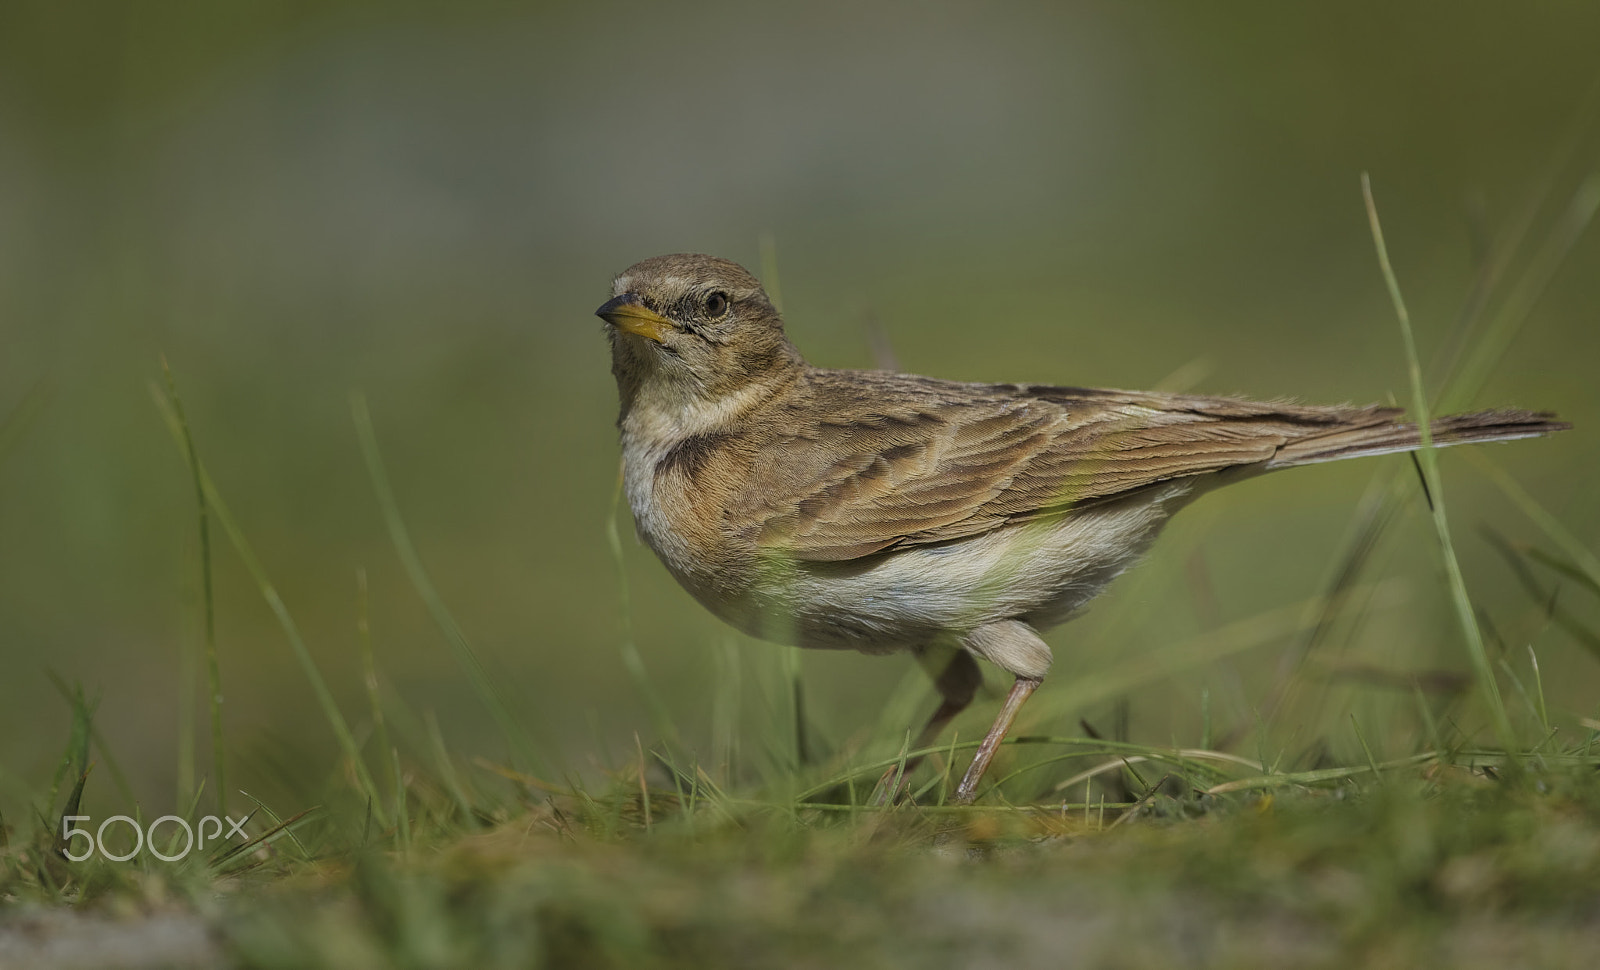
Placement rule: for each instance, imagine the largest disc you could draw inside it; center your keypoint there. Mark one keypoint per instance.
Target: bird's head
(690, 331)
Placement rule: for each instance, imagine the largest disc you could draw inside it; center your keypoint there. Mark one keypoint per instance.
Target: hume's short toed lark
(882, 512)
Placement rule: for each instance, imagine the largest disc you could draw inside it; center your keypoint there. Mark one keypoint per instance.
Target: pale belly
(1040, 573)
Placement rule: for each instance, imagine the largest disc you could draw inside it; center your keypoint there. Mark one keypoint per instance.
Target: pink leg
(980, 761)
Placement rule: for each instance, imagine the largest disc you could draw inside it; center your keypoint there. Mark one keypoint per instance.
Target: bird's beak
(629, 314)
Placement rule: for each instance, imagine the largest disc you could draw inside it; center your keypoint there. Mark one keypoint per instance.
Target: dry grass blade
(264, 839)
(1144, 800)
(1197, 754)
(1319, 776)
(262, 807)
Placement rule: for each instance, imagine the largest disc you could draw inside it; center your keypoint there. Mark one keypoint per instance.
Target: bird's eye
(716, 304)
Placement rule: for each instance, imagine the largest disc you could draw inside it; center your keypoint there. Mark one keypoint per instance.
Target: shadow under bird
(884, 512)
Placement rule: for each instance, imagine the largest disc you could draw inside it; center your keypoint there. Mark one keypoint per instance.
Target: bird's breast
(678, 510)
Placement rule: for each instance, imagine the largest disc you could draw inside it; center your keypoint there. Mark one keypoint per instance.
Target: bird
(885, 512)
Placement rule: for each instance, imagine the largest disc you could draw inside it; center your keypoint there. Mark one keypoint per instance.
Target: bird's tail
(1387, 437)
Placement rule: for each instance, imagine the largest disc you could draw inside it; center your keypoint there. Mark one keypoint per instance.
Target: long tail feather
(1387, 438)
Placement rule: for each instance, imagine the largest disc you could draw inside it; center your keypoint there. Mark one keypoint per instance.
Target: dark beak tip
(615, 303)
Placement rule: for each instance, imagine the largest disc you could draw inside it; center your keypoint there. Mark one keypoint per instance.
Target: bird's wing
(869, 462)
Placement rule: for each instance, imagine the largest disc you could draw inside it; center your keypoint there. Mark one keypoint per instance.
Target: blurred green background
(426, 203)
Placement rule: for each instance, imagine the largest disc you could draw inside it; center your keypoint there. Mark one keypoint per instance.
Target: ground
(1451, 867)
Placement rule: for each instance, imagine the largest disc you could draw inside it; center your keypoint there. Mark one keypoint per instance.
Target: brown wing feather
(937, 461)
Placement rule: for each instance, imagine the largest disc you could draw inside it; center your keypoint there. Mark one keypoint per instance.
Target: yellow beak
(629, 314)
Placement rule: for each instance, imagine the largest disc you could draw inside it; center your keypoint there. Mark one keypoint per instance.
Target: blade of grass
(447, 771)
(74, 800)
(955, 811)
(1562, 566)
(261, 806)
(1133, 809)
(1373, 516)
(725, 710)
(1429, 461)
(1546, 599)
(1580, 555)
(369, 669)
(1474, 759)
(797, 706)
(1319, 776)
(1366, 748)
(455, 637)
(119, 779)
(402, 811)
(194, 802)
(1206, 648)
(266, 838)
(888, 794)
(1521, 690)
(525, 780)
(1428, 722)
(1189, 759)
(291, 630)
(715, 797)
(208, 600)
(186, 708)
(1542, 709)
(1456, 385)
(947, 768)
(76, 756)
(1569, 228)
(644, 786)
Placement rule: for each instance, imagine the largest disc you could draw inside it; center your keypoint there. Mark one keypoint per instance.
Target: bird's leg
(980, 761)
(957, 683)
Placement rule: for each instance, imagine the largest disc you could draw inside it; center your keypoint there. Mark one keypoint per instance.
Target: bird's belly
(1041, 573)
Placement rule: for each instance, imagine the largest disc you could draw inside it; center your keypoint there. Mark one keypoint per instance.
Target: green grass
(657, 864)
